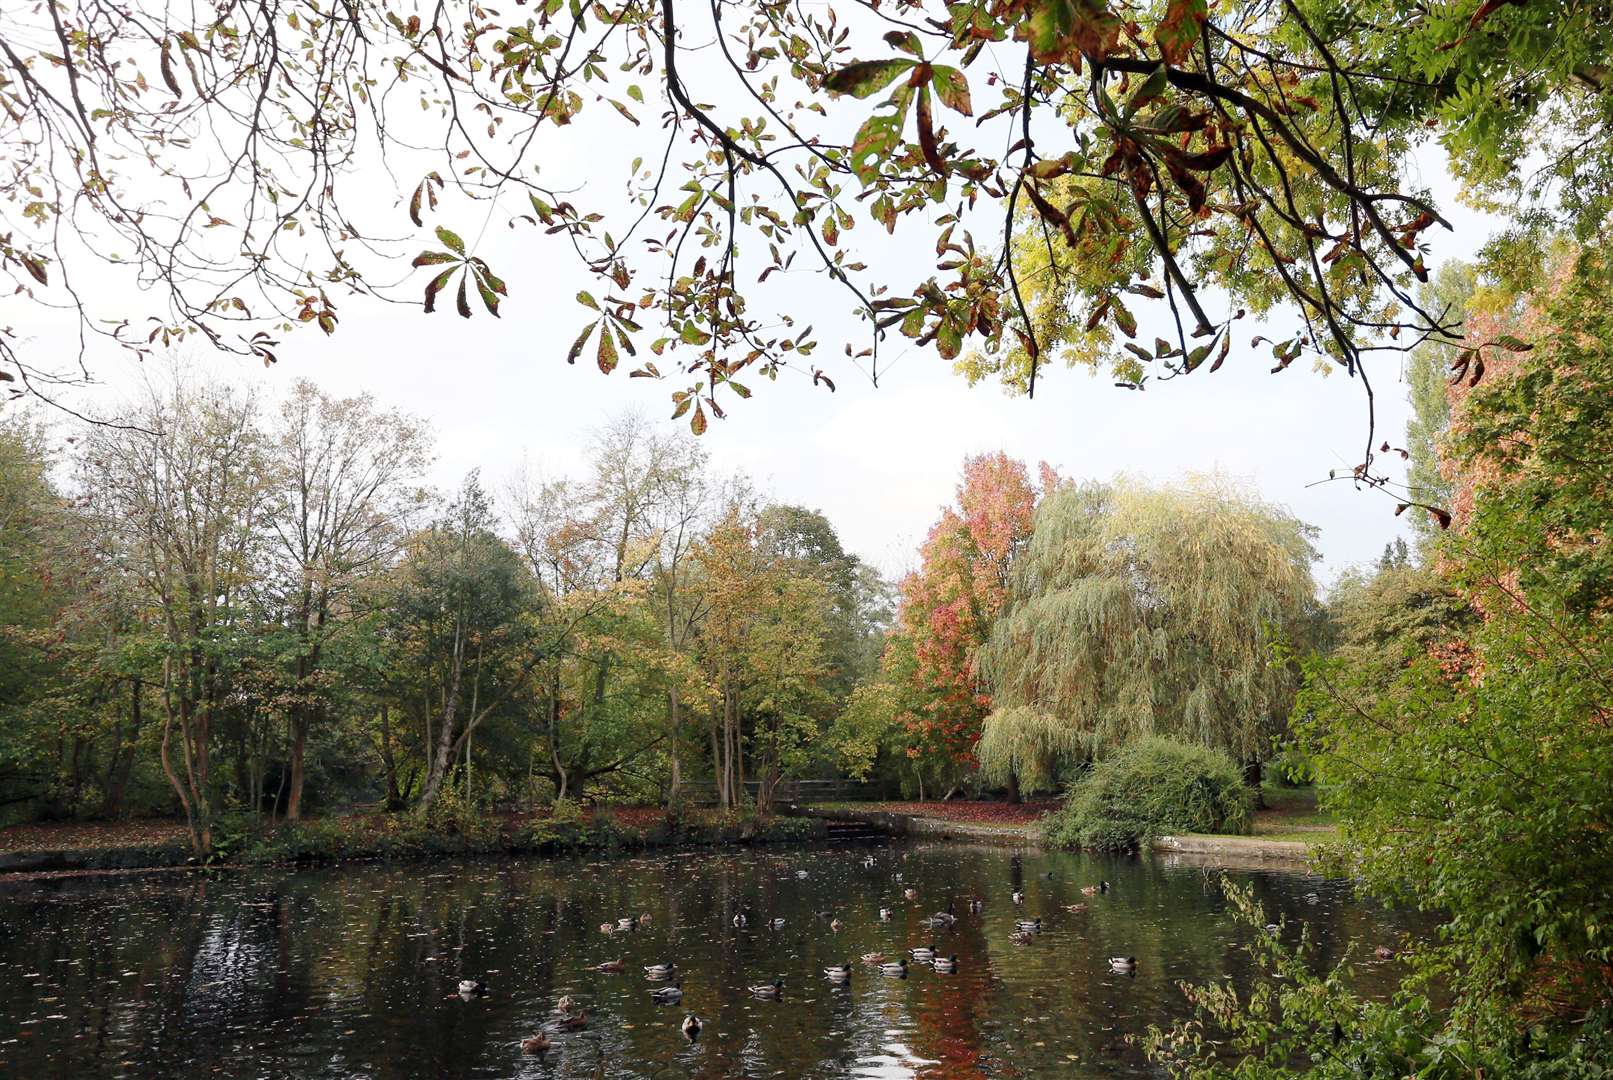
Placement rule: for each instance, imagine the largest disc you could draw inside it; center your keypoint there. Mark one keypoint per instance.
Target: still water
(352, 971)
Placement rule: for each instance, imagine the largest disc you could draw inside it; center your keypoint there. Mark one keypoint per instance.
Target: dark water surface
(351, 971)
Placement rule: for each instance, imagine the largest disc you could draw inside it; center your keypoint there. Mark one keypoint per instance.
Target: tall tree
(1139, 610)
(342, 472)
(183, 508)
(951, 602)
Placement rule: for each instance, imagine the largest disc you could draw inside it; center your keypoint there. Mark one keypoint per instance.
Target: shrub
(1153, 787)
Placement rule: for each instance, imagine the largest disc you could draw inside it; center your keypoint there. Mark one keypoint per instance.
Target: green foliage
(1152, 787)
(1137, 610)
(1299, 1021)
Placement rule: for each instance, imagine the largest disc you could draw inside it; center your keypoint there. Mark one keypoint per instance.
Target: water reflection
(354, 971)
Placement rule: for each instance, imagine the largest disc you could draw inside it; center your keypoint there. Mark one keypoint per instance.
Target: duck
(944, 918)
(898, 969)
(573, 1021)
(1019, 897)
(668, 995)
(869, 862)
(739, 920)
(607, 928)
(836, 925)
(535, 1044)
(660, 971)
(1124, 965)
(1273, 929)
(1022, 937)
(627, 922)
(690, 1027)
(472, 987)
(886, 914)
(1384, 952)
(800, 873)
(769, 990)
(910, 893)
(1094, 890)
(1075, 909)
(776, 923)
(1029, 926)
(610, 967)
(976, 906)
(838, 972)
(945, 965)
(565, 1004)
(922, 953)
(873, 958)
(644, 919)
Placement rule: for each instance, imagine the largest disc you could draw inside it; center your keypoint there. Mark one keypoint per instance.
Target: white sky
(880, 462)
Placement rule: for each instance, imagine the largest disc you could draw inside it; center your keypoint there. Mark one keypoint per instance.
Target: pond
(351, 971)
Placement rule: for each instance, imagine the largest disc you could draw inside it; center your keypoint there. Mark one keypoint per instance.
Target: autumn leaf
(866, 77)
(1178, 31)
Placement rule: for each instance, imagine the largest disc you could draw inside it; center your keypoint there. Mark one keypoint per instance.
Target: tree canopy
(1066, 160)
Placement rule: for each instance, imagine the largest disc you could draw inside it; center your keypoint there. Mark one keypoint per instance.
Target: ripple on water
(352, 971)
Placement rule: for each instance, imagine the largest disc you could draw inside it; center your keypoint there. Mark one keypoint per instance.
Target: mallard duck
(668, 995)
(775, 924)
(1384, 952)
(535, 1044)
(836, 925)
(869, 862)
(1124, 965)
(886, 914)
(976, 906)
(922, 953)
(1094, 890)
(838, 972)
(873, 958)
(800, 873)
(660, 971)
(690, 1027)
(573, 1021)
(1075, 909)
(1022, 937)
(946, 965)
(565, 1004)
(768, 990)
(910, 893)
(1029, 926)
(627, 923)
(739, 920)
(1273, 929)
(1019, 897)
(610, 967)
(897, 969)
(644, 919)
(472, 987)
(607, 928)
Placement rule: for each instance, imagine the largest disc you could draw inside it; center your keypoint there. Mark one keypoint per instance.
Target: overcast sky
(880, 463)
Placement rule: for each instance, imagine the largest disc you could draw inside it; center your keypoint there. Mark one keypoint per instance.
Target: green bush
(1153, 787)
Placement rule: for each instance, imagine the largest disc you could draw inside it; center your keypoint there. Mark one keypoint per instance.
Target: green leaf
(430, 258)
(607, 351)
(693, 335)
(451, 240)
(866, 77)
(436, 285)
(582, 339)
(586, 299)
(953, 89)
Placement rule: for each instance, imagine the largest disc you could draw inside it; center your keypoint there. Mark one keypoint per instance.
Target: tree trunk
(299, 740)
(1253, 775)
(1013, 787)
(389, 764)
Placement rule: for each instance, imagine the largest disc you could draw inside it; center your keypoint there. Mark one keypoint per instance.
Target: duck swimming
(910, 893)
(836, 925)
(885, 914)
(612, 966)
(873, 958)
(1019, 897)
(1029, 926)
(740, 920)
(535, 1044)
(976, 906)
(1075, 909)
(946, 965)
(769, 990)
(668, 995)
(660, 971)
(775, 924)
(922, 952)
(565, 1004)
(690, 1027)
(573, 1021)
(1123, 965)
(472, 987)
(1094, 890)
(898, 969)
(838, 972)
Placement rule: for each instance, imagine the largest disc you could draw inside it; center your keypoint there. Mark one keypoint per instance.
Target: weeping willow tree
(1138, 610)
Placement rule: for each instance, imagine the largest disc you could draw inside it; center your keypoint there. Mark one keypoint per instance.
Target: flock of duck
(570, 1016)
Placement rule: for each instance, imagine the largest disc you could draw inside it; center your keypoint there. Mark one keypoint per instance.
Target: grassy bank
(242, 840)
